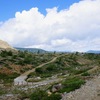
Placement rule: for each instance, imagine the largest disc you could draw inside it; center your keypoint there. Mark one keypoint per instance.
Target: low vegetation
(42, 95)
(12, 64)
(71, 68)
(71, 64)
(70, 84)
(4, 78)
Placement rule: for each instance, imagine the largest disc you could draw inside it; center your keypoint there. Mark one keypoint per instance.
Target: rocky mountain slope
(5, 45)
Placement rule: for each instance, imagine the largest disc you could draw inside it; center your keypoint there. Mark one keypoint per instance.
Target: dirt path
(89, 91)
(21, 79)
(40, 84)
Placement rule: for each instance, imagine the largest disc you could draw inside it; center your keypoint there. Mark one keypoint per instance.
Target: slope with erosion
(12, 64)
(21, 79)
(72, 69)
(62, 75)
(5, 46)
(69, 64)
(89, 91)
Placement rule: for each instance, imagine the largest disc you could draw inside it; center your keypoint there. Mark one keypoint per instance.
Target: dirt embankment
(89, 91)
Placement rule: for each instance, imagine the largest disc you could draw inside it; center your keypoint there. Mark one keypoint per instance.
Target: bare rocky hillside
(5, 45)
(89, 91)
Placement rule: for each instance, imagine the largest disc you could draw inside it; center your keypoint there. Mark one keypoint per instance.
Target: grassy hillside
(70, 69)
(12, 64)
(73, 69)
(71, 64)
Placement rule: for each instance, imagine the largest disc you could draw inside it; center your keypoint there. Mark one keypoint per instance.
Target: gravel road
(89, 91)
(21, 79)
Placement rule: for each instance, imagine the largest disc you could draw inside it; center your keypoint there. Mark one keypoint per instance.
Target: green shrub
(71, 84)
(42, 95)
(6, 53)
(51, 67)
(39, 95)
(39, 70)
(8, 78)
(2, 91)
(20, 62)
(85, 74)
(54, 97)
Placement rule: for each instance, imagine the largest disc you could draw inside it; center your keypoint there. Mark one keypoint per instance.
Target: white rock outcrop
(5, 45)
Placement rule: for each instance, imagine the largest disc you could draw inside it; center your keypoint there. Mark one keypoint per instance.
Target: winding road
(21, 79)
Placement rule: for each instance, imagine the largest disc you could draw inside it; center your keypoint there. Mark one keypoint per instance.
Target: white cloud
(60, 42)
(76, 28)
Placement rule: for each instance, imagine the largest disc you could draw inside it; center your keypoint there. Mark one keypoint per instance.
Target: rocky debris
(53, 77)
(36, 79)
(89, 91)
(9, 97)
(49, 93)
(12, 97)
(1, 85)
(20, 80)
(56, 87)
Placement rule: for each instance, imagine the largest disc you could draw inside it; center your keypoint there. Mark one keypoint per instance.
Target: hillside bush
(39, 95)
(71, 84)
(85, 74)
(42, 95)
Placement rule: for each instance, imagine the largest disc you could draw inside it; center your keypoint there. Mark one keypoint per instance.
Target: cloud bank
(76, 28)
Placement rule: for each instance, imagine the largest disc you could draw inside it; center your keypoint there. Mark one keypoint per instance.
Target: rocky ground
(89, 91)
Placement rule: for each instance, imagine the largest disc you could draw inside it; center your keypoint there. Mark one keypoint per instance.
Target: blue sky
(9, 8)
(61, 25)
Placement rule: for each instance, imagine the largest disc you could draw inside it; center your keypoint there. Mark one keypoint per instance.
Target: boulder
(56, 87)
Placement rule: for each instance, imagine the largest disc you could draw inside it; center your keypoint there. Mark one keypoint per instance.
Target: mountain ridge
(94, 51)
(33, 50)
